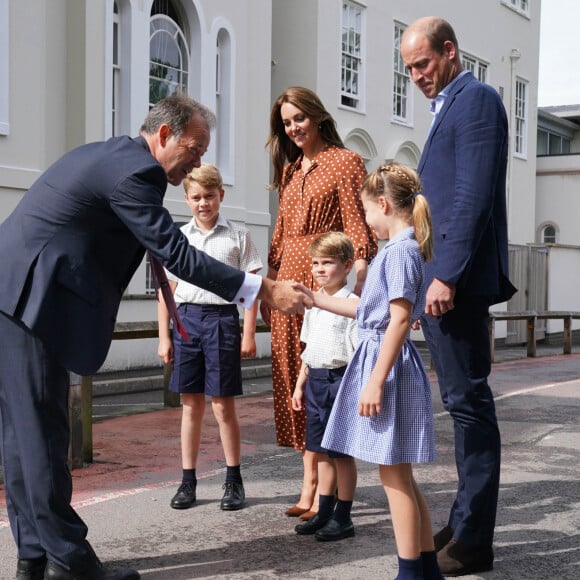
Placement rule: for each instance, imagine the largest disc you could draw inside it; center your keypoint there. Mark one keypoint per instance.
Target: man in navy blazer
(69, 250)
(463, 172)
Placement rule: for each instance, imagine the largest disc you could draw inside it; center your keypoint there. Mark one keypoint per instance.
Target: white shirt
(231, 244)
(330, 338)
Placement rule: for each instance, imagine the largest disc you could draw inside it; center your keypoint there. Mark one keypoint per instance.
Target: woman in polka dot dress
(383, 412)
(318, 183)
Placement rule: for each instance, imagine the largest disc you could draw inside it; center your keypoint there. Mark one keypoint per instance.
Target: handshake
(288, 297)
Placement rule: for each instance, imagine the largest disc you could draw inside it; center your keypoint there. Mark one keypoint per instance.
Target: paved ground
(124, 495)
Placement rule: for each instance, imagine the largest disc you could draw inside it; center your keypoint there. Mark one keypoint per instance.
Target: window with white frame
(551, 143)
(401, 80)
(168, 53)
(475, 66)
(224, 67)
(351, 82)
(149, 285)
(549, 234)
(522, 6)
(116, 72)
(4, 70)
(521, 117)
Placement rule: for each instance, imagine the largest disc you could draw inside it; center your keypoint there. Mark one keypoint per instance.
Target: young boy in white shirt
(330, 342)
(210, 362)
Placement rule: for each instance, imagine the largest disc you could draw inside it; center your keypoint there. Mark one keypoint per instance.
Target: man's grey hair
(176, 112)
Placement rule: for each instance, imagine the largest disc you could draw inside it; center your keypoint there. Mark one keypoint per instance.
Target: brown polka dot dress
(325, 198)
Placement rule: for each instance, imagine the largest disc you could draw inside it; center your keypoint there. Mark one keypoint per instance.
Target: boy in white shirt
(210, 362)
(330, 342)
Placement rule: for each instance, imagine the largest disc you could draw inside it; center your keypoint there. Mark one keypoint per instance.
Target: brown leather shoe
(295, 511)
(307, 515)
(443, 537)
(459, 559)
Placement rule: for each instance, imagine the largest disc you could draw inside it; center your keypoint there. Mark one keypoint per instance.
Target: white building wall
(60, 85)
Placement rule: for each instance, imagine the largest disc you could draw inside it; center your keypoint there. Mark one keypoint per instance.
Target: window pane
(542, 142)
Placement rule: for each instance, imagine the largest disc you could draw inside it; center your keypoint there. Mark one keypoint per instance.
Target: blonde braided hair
(402, 186)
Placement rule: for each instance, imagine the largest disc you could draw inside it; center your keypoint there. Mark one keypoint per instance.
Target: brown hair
(402, 186)
(206, 174)
(438, 31)
(282, 149)
(332, 245)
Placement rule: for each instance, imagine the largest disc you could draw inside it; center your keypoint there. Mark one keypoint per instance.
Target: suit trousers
(34, 441)
(459, 345)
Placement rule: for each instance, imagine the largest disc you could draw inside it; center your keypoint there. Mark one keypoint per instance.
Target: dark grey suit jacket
(72, 244)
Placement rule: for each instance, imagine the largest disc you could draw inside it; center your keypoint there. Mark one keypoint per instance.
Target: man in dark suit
(463, 171)
(69, 250)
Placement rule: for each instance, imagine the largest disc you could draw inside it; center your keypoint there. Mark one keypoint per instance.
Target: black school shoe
(96, 572)
(311, 526)
(31, 569)
(234, 496)
(185, 496)
(334, 531)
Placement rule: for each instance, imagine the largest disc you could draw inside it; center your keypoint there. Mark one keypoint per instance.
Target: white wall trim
(4, 67)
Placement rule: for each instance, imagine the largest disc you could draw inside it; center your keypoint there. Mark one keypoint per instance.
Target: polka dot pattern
(325, 198)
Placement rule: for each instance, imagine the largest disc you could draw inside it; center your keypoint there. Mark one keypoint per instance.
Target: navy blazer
(72, 244)
(463, 171)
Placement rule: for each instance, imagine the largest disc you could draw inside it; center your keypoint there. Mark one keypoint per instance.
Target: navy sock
(431, 566)
(410, 569)
(342, 511)
(189, 475)
(325, 507)
(233, 474)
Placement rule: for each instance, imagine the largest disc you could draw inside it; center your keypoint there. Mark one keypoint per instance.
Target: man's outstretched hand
(284, 297)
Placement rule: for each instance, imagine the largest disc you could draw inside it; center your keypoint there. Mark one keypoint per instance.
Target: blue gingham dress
(404, 431)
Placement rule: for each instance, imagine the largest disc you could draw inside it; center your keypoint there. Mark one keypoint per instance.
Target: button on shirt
(227, 242)
(330, 338)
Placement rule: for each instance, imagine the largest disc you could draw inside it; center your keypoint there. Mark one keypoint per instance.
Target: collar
(439, 100)
(192, 225)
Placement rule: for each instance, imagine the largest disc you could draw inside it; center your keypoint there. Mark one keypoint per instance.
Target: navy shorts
(210, 362)
(321, 389)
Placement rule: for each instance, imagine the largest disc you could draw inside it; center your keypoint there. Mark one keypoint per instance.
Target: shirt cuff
(248, 291)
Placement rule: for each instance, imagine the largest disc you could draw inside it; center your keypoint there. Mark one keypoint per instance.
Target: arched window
(168, 53)
(116, 96)
(223, 93)
(549, 234)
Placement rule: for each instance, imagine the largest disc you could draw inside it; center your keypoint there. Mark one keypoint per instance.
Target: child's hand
(370, 401)
(165, 350)
(309, 302)
(298, 399)
(248, 349)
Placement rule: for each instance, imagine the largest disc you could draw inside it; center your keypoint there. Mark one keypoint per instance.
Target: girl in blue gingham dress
(383, 412)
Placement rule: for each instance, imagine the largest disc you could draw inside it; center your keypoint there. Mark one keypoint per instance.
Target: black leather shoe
(459, 559)
(234, 496)
(311, 526)
(443, 537)
(32, 569)
(333, 531)
(96, 572)
(185, 496)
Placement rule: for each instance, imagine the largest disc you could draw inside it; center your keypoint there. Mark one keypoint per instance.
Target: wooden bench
(531, 317)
